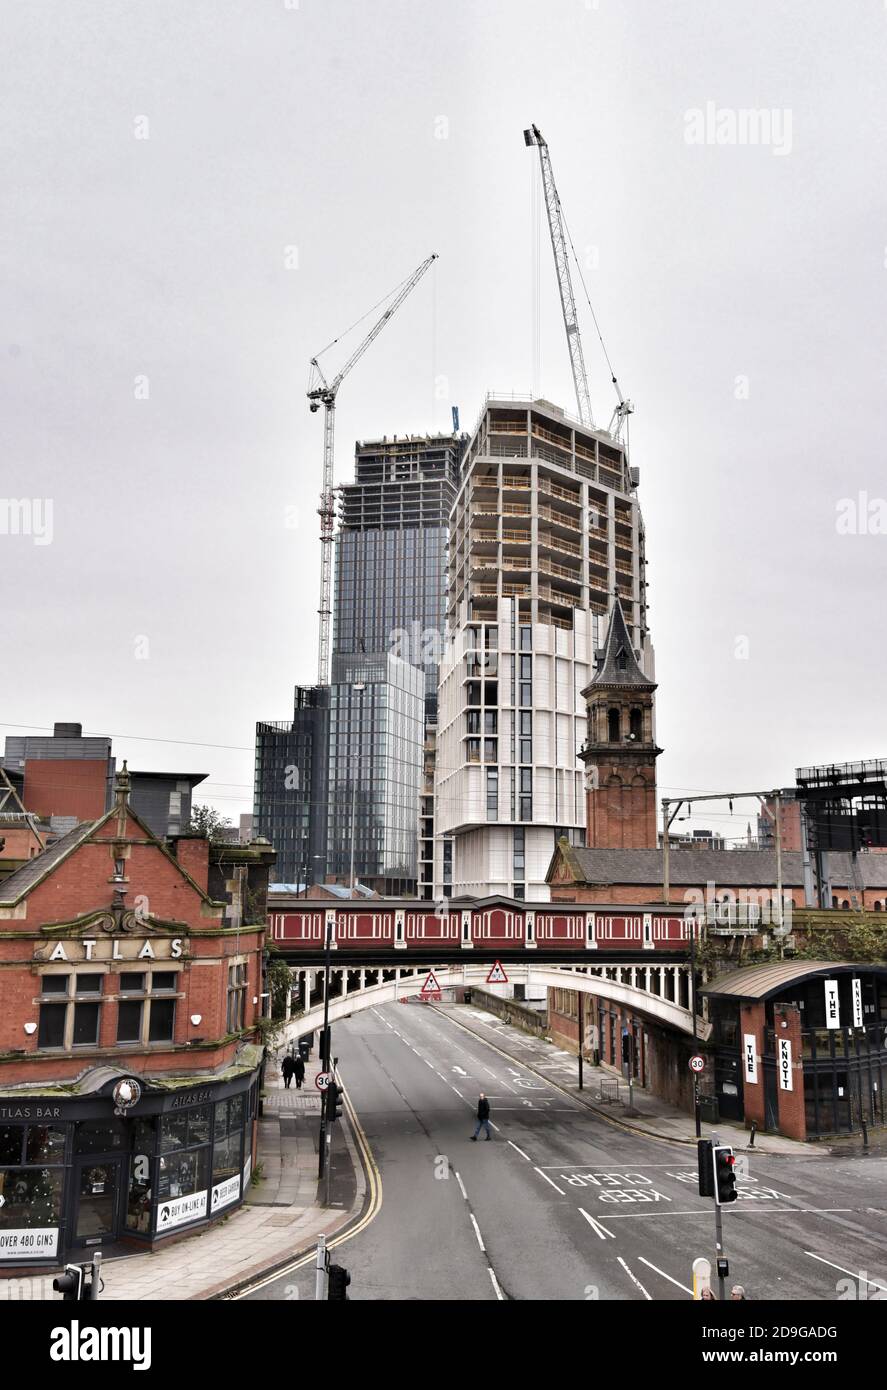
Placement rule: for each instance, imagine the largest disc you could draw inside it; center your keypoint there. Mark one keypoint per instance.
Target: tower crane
(323, 393)
(559, 238)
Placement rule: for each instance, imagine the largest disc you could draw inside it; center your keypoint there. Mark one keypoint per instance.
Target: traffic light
(333, 1102)
(706, 1168)
(72, 1284)
(725, 1174)
(339, 1279)
(325, 1045)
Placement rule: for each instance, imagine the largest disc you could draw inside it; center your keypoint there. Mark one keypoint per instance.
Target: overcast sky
(200, 195)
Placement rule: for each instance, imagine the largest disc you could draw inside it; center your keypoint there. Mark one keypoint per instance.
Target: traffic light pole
(719, 1250)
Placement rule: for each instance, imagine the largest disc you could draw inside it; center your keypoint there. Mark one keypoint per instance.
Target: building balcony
(559, 543)
(555, 490)
(561, 571)
(559, 519)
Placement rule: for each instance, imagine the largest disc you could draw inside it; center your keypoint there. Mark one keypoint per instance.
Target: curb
(596, 1109)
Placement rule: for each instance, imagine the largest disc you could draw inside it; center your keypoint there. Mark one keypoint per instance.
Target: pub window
(184, 1152)
(31, 1191)
(227, 1138)
(70, 1007)
(236, 996)
(142, 1017)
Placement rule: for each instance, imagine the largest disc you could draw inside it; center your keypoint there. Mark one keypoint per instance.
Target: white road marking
(456, 1089)
(520, 1151)
(489, 1070)
(480, 1240)
(648, 1296)
(650, 1265)
(548, 1179)
(461, 1186)
(747, 1209)
(854, 1274)
(499, 1294)
(596, 1226)
(460, 1070)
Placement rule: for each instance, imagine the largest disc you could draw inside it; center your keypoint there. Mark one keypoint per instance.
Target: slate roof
(724, 867)
(619, 665)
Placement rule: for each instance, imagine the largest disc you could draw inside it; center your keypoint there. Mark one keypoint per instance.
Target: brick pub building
(756, 1017)
(129, 1055)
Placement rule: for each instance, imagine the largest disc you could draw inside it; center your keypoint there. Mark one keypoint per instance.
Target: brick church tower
(620, 751)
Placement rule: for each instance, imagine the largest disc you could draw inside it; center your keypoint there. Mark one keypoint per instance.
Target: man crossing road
(483, 1117)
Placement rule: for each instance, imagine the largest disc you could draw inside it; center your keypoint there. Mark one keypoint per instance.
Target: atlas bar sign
(114, 948)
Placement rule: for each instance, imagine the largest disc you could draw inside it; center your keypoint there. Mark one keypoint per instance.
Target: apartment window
(525, 810)
(492, 793)
(491, 638)
(491, 750)
(491, 721)
(146, 1010)
(473, 750)
(526, 693)
(472, 719)
(236, 996)
(70, 1010)
(526, 639)
(526, 668)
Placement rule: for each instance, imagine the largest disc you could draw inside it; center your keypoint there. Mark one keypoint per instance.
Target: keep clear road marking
(599, 1230)
(521, 1152)
(650, 1265)
(854, 1274)
(548, 1179)
(648, 1296)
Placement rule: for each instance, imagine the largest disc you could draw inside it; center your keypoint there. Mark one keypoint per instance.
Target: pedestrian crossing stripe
(497, 975)
(430, 986)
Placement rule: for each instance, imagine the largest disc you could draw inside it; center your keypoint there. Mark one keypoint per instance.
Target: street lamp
(360, 687)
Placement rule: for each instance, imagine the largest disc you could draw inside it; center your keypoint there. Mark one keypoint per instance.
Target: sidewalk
(278, 1220)
(654, 1117)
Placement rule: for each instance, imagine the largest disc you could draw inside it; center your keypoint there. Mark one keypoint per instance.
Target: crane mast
(322, 392)
(533, 136)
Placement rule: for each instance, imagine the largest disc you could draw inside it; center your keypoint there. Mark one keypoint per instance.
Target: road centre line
(634, 1280)
(520, 1151)
(461, 1185)
(548, 1180)
(854, 1274)
(480, 1239)
(499, 1294)
(650, 1265)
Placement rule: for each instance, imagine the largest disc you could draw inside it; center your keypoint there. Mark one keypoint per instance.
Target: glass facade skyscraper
(291, 787)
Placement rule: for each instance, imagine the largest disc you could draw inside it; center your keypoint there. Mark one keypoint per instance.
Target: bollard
(754, 1130)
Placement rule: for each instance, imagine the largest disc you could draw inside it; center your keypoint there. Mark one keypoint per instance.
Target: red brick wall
(622, 816)
(193, 855)
(792, 1119)
(66, 787)
(752, 1020)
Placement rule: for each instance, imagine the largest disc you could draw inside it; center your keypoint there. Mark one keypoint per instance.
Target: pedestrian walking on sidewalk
(288, 1066)
(299, 1072)
(483, 1117)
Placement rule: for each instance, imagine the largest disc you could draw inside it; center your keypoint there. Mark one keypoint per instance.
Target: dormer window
(621, 659)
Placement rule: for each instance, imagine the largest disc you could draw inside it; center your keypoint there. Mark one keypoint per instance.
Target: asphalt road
(562, 1204)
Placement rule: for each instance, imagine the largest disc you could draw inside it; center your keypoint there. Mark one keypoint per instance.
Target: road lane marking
(854, 1274)
(460, 1070)
(480, 1239)
(634, 1280)
(548, 1179)
(650, 1265)
(499, 1294)
(520, 1151)
(461, 1186)
(599, 1230)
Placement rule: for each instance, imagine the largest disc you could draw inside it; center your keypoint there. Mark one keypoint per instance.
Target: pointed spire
(122, 787)
(616, 661)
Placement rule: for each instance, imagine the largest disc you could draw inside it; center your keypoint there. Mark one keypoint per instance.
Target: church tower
(620, 751)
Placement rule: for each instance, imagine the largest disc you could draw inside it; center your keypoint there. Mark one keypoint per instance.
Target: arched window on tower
(636, 724)
(613, 725)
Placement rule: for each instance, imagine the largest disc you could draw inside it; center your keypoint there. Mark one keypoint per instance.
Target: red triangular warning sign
(497, 976)
(430, 986)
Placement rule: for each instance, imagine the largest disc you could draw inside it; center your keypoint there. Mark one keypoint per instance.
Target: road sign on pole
(322, 1080)
(497, 975)
(697, 1063)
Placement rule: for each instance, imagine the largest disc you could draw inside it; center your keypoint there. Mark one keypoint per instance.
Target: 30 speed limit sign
(697, 1063)
(322, 1080)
